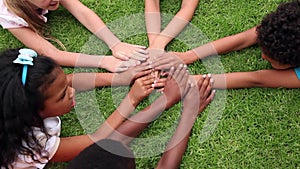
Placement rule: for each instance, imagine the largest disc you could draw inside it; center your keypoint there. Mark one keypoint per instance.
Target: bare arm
(152, 19)
(70, 147)
(64, 58)
(220, 46)
(195, 101)
(262, 78)
(136, 124)
(95, 24)
(176, 25)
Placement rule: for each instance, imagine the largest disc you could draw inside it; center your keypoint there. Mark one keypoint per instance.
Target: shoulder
(10, 20)
(50, 143)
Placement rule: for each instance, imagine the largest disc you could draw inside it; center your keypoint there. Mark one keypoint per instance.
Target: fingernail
(152, 85)
(209, 75)
(204, 76)
(211, 81)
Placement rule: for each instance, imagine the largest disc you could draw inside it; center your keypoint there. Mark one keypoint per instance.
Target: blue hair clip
(25, 58)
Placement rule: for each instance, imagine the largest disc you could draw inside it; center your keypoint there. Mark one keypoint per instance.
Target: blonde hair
(26, 10)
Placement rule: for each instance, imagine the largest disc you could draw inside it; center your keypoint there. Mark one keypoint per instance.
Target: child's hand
(125, 51)
(127, 77)
(114, 64)
(165, 61)
(199, 95)
(141, 88)
(176, 84)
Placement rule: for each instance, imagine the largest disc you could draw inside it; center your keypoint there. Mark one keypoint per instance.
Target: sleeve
(9, 19)
(53, 127)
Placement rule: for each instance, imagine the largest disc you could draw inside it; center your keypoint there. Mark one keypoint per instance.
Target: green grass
(254, 128)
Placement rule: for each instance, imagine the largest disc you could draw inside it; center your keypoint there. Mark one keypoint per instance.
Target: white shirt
(10, 20)
(53, 127)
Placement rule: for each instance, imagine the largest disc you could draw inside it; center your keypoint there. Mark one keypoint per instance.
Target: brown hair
(31, 15)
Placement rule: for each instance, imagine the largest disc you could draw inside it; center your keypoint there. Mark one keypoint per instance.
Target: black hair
(20, 105)
(279, 34)
(104, 154)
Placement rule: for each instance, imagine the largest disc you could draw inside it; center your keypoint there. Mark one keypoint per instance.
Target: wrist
(191, 57)
(132, 100)
(108, 37)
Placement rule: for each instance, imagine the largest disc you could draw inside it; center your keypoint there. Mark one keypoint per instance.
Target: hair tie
(25, 58)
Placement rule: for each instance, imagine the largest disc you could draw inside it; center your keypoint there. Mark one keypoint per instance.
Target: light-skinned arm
(175, 26)
(94, 23)
(64, 58)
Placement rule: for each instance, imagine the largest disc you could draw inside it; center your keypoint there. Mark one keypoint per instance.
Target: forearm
(91, 21)
(261, 78)
(131, 128)
(125, 108)
(176, 147)
(223, 45)
(175, 26)
(88, 81)
(236, 42)
(152, 19)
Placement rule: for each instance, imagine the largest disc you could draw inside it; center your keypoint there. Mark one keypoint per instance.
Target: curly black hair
(20, 105)
(278, 35)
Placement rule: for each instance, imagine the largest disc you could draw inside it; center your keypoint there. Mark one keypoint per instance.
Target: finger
(160, 61)
(211, 96)
(140, 47)
(121, 69)
(209, 86)
(130, 63)
(158, 85)
(150, 90)
(204, 87)
(121, 55)
(148, 80)
(171, 72)
(139, 56)
(181, 73)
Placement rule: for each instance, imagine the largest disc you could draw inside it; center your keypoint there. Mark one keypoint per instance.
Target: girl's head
(25, 106)
(31, 11)
(279, 36)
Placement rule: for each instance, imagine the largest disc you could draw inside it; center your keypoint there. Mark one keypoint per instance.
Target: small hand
(199, 95)
(125, 51)
(128, 76)
(113, 64)
(176, 84)
(141, 88)
(166, 61)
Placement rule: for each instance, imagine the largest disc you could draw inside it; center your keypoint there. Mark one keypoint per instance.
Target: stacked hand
(125, 51)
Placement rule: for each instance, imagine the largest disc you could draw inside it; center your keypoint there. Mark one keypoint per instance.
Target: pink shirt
(10, 20)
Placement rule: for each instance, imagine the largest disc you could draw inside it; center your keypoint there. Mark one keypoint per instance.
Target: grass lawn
(242, 128)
